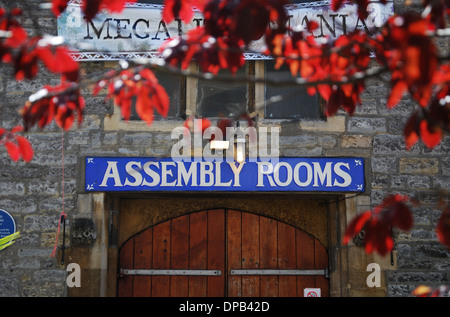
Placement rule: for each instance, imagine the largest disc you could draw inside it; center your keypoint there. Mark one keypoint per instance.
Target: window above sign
(215, 98)
(138, 31)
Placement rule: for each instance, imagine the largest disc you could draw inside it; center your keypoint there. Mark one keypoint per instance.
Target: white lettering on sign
(281, 174)
(171, 174)
(304, 174)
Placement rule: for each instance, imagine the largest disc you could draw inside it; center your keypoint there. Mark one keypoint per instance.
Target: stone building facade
(33, 193)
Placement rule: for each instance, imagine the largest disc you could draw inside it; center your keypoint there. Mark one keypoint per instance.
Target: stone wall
(33, 193)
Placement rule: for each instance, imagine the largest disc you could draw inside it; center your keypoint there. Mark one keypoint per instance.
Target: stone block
(10, 286)
(332, 124)
(43, 188)
(410, 181)
(416, 165)
(12, 188)
(364, 125)
(380, 181)
(392, 145)
(357, 141)
(386, 165)
(442, 182)
(40, 222)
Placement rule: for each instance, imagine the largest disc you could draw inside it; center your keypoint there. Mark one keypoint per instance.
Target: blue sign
(104, 174)
(7, 224)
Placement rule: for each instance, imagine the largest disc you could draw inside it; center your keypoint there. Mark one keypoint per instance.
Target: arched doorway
(222, 252)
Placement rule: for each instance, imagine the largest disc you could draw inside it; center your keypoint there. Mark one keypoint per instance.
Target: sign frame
(70, 25)
(162, 174)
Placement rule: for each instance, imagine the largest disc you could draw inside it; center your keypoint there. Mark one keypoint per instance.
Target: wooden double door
(222, 253)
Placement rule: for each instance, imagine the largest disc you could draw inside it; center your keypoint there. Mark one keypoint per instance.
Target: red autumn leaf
(426, 291)
(26, 150)
(411, 55)
(194, 124)
(17, 128)
(325, 91)
(26, 61)
(16, 146)
(431, 136)
(399, 87)
(437, 12)
(123, 99)
(143, 84)
(144, 106)
(59, 6)
(336, 4)
(161, 100)
(345, 97)
(174, 9)
(13, 150)
(422, 291)
(64, 117)
(379, 222)
(18, 36)
(223, 124)
(60, 103)
(115, 6)
(355, 226)
(378, 237)
(443, 228)
(427, 124)
(59, 62)
(252, 18)
(91, 7)
(312, 25)
(411, 136)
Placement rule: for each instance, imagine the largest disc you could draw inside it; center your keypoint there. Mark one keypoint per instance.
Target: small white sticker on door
(311, 292)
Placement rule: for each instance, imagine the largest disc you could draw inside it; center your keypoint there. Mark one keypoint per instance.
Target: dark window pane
(222, 99)
(175, 88)
(296, 104)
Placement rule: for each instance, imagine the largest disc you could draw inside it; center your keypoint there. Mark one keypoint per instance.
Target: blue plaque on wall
(7, 224)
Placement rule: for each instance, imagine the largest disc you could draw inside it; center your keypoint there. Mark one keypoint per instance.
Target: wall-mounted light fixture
(239, 144)
(219, 145)
(239, 149)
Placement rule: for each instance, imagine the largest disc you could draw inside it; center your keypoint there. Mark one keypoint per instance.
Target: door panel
(180, 256)
(198, 253)
(250, 253)
(160, 285)
(286, 260)
(234, 255)
(216, 252)
(223, 240)
(268, 256)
